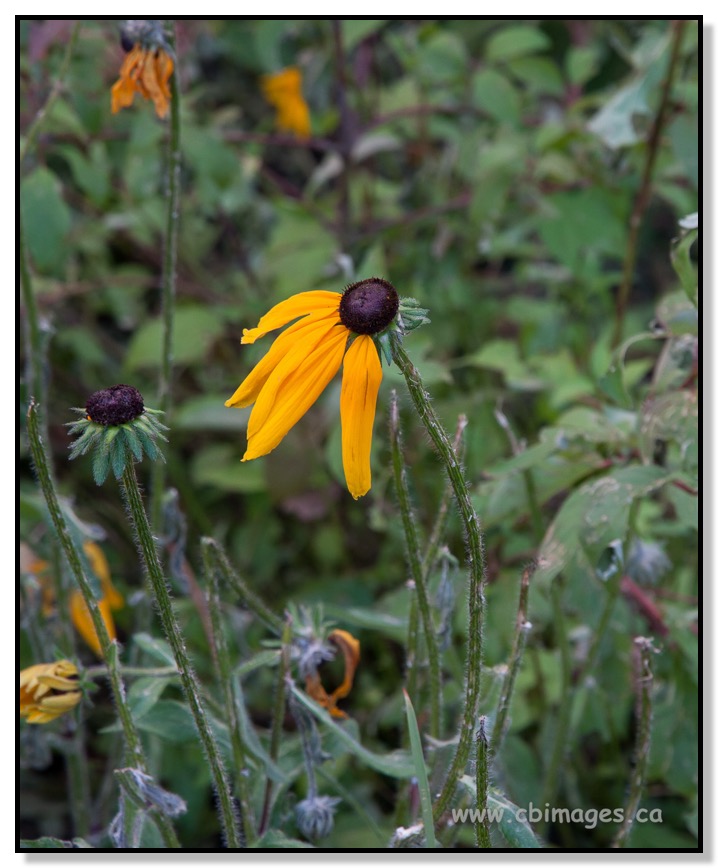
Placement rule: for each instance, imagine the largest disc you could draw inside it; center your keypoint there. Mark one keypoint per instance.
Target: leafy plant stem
(476, 562)
(230, 701)
(133, 746)
(416, 571)
(501, 724)
(644, 703)
(158, 585)
(644, 191)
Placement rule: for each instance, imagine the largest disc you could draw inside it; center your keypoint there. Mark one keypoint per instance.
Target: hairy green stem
(501, 724)
(644, 191)
(230, 700)
(476, 563)
(169, 276)
(190, 686)
(563, 722)
(219, 558)
(481, 823)
(644, 712)
(416, 571)
(277, 721)
(133, 747)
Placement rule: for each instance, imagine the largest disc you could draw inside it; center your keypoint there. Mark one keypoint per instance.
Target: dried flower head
(147, 68)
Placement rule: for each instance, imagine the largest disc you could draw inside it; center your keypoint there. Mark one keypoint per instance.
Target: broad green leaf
(196, 328)
(45, 221)
(221, 467)
(354, 30)
(495, 94)
(47, 843)
(275, 839)
(512, 824)
(159, 649)
(144, 693)
(513, 42)
(208, 413)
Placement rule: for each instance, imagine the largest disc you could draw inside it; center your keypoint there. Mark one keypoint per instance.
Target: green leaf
(47, 843)
(275, 839)
(417, 756)
(221, 467)
(144, 693)
(354, 30)
(495, 94)
(196, 328)
(516, 42)
(156, 648)
(683, 264)
(45, 221)
(512, 825)
(396, 765)
(208, 413)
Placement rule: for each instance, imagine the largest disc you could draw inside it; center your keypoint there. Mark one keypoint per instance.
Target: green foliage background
(489, 169)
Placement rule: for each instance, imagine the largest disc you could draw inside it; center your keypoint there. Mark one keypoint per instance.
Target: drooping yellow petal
(292, 308)
(291, 390)
(153, 88)
(251, 386)
(360, 386)
(101, 569)
(80, 615)
(280, 85)
(124, 89)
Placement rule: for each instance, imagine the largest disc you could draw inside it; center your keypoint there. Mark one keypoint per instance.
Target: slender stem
(246, 595)
(133, 747)
(501, 724)
(644, 711)
(476, 563)
(277, 721)
(644, 191)
(230, 701)
(169, 275)
(415, 567)
(564, 715)
(481, 824)
(158, 585)
(531, 495)
(55, 92)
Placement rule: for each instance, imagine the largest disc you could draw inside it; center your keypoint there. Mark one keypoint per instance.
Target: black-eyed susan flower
(118, 428)
(48, 690)
(110, 601)
(350, 649)
(147, 68)
(283, 90)
(332, 328)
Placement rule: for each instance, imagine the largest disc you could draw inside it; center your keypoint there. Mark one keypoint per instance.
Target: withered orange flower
(349, 646)
(145, 71)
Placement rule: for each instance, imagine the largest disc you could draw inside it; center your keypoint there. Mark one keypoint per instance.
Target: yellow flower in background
(111, 600)
(283, 90)
(48, 690)
(349, 646)
(306, 356)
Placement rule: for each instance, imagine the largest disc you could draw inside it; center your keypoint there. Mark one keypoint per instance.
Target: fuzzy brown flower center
(369, 306)
(115, 406)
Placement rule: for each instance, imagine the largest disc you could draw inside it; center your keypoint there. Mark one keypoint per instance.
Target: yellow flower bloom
(145, 71)
(306, 356)
(349, 646)
(48, 690)
(111, 599)
(283, 90)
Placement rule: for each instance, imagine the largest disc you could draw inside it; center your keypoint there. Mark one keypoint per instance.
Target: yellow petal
(291, 308)
(292, 388)
(251, 386)
(360, 386)
(280, 85)
(350, 649)
(101, 569)
(80, 615)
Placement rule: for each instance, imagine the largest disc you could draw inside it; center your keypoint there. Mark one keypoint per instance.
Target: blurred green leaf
(45, 221)
(515, 42)
(196, 328)
(495, 94)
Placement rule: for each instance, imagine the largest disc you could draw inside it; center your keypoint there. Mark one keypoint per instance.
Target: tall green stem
(476, 563)
(158, 585)
(169, 276)
(133, 746)
(230, 700)
(644, 703)
(415, 567)
(481, 825)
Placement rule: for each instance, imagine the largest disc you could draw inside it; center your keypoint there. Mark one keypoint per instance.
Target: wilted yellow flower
(349, 646)
(305, 357)
(48, 690)
(283, 90)
(111, 600)
(147, 71)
